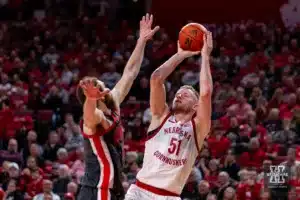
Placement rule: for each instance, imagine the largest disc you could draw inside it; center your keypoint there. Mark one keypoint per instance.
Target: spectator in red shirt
(251, 190)
(254, 157)
(276, 99)
(211, 172)
(286, 108)
(218, 143)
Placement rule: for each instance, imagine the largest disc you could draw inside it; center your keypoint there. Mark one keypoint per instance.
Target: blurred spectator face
(69, 118)
(52, 50)
(185, 100)
(125, 185)
(213, 165)
(47, 186)
(254, 144)
(265, 195)
(134, 167)
(229, 193)
(79, 153)
(269, 139)
(244, 175)
(12, 146)
(240, 92)
(5, 166)
(31, 163)
(292, 99)
(32, 54)
(230, 156)
(291, 155)
(223, 178)
(131, 157)
(111, 67)
(13, 54)
(13, 170)
(256, 92)
(31, 136)
(53, 137)
(63, 171)
(72, 188)
(211, 197)
(205, 153)
(274, 114)
(34, 150)
(62, 154)
(252, 175)
(267, 164)
(203, 187)
(294, 43)
(251, 117)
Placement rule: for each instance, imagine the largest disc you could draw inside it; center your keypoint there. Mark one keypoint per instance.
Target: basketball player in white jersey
(175, 134)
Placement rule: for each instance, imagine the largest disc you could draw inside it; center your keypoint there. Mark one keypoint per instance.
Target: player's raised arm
(91, 114)
(158, 104)
(203, 117)
(134, 63)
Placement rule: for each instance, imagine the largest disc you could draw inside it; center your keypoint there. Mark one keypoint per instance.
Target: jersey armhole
(195, 135)
(152, 133)
(84, 134)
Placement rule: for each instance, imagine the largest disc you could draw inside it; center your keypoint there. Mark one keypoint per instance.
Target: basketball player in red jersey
(101, 128)
(175, 134)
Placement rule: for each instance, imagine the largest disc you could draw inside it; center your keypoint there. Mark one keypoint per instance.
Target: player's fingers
(150, 20)
(155, 30)
(147, 18)
(143, 19)
(196, 53)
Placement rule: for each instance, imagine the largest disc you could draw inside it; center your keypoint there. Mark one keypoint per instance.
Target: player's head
(107, 101)
(186, 99)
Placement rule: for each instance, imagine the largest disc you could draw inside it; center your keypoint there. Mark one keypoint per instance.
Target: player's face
(184, 100)
(107, 101)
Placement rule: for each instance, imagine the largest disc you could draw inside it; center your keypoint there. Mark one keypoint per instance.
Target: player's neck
(183, 117)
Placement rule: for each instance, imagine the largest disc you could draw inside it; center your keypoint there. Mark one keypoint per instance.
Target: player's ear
(195, 107)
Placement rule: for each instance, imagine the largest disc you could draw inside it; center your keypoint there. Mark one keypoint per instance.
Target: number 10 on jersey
(174, 146)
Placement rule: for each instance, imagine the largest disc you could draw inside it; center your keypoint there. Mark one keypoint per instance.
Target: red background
(175, 13)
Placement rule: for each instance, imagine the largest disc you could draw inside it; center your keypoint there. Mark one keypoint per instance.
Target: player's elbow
(206, 93)
(156, 77)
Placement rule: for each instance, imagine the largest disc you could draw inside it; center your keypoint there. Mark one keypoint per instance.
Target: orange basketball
(191, 37)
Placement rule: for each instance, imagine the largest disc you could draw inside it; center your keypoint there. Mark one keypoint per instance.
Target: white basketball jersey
(170, 155)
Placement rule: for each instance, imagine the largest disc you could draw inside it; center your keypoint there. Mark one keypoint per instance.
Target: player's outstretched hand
(207, 44)
(91, 89)
(186, 54)
(146, 31)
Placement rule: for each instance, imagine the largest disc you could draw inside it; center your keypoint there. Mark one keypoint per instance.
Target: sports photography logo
(277, 176)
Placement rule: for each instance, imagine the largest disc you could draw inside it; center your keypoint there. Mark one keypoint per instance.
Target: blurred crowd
(255, 120)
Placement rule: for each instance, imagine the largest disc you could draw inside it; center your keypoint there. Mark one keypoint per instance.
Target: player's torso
(169, 156)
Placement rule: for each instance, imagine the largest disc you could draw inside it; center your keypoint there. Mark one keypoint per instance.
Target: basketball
(191, 37)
